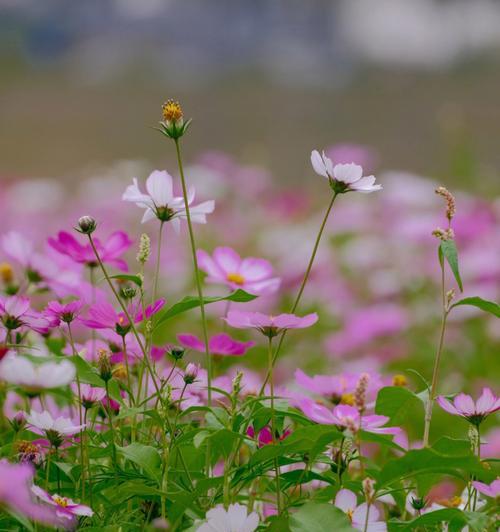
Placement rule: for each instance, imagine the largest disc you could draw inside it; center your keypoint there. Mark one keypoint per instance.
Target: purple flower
(225, 266)
(362, 517)
(191, 372)
(16, 495)
(109, 252)
(268, 325)
(15, 312)
(65, 312)
(64, 507)
(102, 315)
(91, 395)
(345, 416)
(492, 490)
(463, 405)
(265, 436)
(344, 177)
(220, 344)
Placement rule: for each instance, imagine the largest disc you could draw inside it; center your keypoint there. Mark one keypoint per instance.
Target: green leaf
(396, 402)
(126, 277)
(483, 304)
(319, 517)
(455, 517)
(448, 250)
(86, 372)
(144, 456)
(190, 302)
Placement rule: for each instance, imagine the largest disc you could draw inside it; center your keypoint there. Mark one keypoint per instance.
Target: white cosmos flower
(234, 519)
(161, 203)
(61, 425)
(350, 175)
(20, 371)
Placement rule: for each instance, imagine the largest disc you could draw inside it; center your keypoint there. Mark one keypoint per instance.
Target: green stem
(129, 381)
(111, 428)
(273, 420)
(157, 268)
(437, 360)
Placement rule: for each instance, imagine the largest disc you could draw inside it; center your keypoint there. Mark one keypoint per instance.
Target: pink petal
(346, 500)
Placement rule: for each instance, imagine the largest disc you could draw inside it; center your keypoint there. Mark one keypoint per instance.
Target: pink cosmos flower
(56, 429)
(347, 501)
(347, 176)
(463, 405)
(64, 507)
(109, 252)
(91, 395)
(492, 490)
(226, 267)
(345, 416)
(235, 519)
(220, 344)
(16, 495)
(265, 436)
(102, 315)
(268, 325)
(15, 312)
(161, 203)
(65, 312)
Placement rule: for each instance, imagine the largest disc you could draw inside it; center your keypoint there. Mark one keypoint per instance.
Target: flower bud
(104, 365)
(18, 422)
(6, 273)
(176, 352)
(399, 380)
(173, 125)
(191, 373)
(144, 249)
(369, 489)
(86, 225)
(417, 503)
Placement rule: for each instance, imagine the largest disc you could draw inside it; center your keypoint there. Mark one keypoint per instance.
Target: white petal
(159, 186)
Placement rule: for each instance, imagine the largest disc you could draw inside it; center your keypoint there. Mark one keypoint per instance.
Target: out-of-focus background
(416, 80)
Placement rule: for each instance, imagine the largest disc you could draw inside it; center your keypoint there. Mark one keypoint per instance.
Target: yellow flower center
(60, 501)
(349, 514)
(399, 380)
(347, 399)
(6, 272)
(172, 111)
(120, 372)
(235, 278)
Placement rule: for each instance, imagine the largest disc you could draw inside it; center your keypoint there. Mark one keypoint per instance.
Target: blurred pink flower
(91, 395)
(65, 312)
(109, 252)
(220, 344)
(55, 429)
(64, 507)
(226, 267)
(268, 325)
(491, 490)
(265, 436)
(349, 176)
(362, 517)
(15, 312)
(475, 412)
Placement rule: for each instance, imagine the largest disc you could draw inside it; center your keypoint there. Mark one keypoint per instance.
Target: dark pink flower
(225, 266)
(65, 312)
(109, 252)
(474, 412)
(64, 507)
(91, 395)
(220, 344)
(268, 325)
(15, 312)
(345, 416)
(265, 436)
(492, 490)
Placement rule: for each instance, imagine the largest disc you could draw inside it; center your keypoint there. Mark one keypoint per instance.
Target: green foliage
(316, 517)
(448, 250)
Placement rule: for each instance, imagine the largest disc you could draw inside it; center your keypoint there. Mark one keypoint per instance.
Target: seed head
(360, 392)
(144, 249)
(450, 202)
(369, 489)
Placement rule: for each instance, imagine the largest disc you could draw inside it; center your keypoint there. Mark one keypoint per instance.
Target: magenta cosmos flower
(343, 177)
(492, 490)
(161, 203)
(268, 325)
(225, 266)
(15, 492)
(362, 517)
(64, 507)
(345, 416)
(102, 315)
(65, 312)
(109, 251)
(474, 412)
(15, 312)
(220, 344)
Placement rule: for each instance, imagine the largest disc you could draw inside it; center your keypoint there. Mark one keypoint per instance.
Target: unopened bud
(450, 296)
(173, 125)
(191, 373)
(86, 225)
(176, 352)
(6, 273)
(399, 380)
(18, 421)
(104, 365)
(144, 249)
(417, 503)
(128, 292)
(369, 489)
(237, 383)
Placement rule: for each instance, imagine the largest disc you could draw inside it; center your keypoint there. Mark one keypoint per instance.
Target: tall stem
(196, 271)
(437, 360)
(270, 362)
(157, 268)
(111, 427)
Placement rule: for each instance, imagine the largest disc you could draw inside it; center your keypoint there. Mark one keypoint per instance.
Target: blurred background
(418, 81)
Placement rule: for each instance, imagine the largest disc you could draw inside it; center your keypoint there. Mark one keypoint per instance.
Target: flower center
(60, 501)
(349, 514)
(347, 399)
(172, 111)
(236, 278)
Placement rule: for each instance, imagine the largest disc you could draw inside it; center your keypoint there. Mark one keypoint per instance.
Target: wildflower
(102, 315)
(345, 416)
(144, 249)
(491, 490)
(65, 312)
(337, 388)
(235, 519)
(16, 495)
(450, 202)
(161, 203)
(28, 452)
(265, 436)
(343, 177)
(360, 392)
(361, 515)
(86, 225)
(191, 372)
(109, 252)
(18, 422)
(55, 429)
(268, 325)
(226, 267)
(173, 125)
(474, 412)
(15, 312)
(64, 507)
(220, 344)
(444, 234)
(90, 395)
(33, 377)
